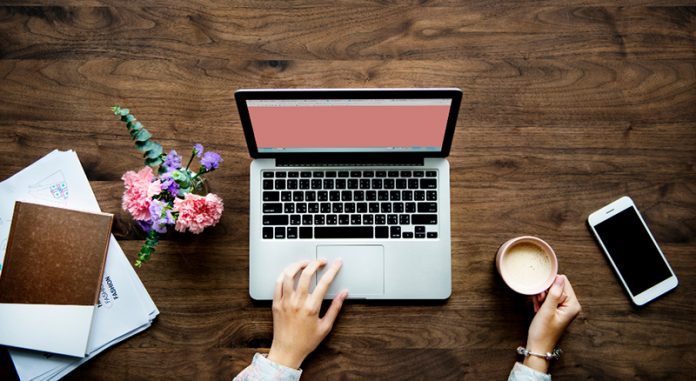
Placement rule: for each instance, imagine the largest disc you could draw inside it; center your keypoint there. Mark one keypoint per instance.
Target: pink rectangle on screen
(349, 126)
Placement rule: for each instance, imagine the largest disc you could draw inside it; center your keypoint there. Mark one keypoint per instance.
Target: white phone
(632, 251)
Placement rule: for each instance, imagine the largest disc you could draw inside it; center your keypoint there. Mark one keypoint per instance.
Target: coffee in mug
(527, 264)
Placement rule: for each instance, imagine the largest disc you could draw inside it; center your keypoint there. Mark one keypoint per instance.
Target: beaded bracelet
(553, 355)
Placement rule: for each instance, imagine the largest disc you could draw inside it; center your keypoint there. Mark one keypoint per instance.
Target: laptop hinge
(294, 162)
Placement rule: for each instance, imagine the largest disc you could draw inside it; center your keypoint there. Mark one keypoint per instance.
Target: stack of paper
(125, 308)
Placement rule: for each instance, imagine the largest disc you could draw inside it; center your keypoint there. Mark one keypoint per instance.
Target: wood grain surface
(567, 106)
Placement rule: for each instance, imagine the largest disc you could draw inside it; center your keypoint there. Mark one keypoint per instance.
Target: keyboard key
(400, 183)
(307, 219)
(398, 207)
(432, 234)
(334, 196)
(271, 196)
(431, 173)
(267, 233)
(395, 195)
(355, 173)
(385, 207)
(361, 207)
(331, 219)
(325, 207)
(304, 184)
(393, 173)
(424, 219)
(419, 195)
(310, 196)
(295, 219)
(272, 207)
(316, 184)
(364, 183)
(279, 232)
(388, 183)
(318, 174)
(267, 175)
(381, 174)
(305, 174)
(313, 207)
(275, 220)
(349, 207)
(407, 195)
(343, 232)
(368, 219)
(353, 184)
(337, 208)
(427, 207)
(294, 174)
(374, 207)
(370, 195)
(289, 208)
(420, 229)
(405, 173)
(343, 219)
(305, 232)
(431, 195)
(368, 173)
(301, 208)
(395, 231)
(381, 232)
(346, 196)
(280, 174)
(292, 184)
(297, 196)
(340, 183)
(418, 174)
(380, 219)
(407, 235)
(420, 235)
(359, 195)
(292, 232)
(404, 219)
(330, 173)
(280, 184)
(267, 184)
(328, 184)
(383, 195)
(343, 174)
(355, 219)
(392, 219)
(319, 219)
(376, 183)
(285, 196)
(428, 183)
(323, 196)
(412, 183)
(410, 207)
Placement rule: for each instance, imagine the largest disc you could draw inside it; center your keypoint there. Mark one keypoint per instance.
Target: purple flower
(173, 161)
(161, 216)
(198, 150)
(144, 225)
(210, 161)
(169, 184)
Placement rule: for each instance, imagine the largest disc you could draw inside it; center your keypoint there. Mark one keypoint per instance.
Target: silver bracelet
(553, 355)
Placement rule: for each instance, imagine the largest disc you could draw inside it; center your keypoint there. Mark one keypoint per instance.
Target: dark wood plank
(567, 106)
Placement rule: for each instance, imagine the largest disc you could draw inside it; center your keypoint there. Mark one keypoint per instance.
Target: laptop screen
(348, 124)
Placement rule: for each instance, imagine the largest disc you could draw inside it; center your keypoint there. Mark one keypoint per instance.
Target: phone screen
(633, 251)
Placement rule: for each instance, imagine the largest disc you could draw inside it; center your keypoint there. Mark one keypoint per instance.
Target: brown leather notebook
(54, 256)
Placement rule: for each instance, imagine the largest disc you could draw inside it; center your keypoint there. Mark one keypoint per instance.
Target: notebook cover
(54, 256)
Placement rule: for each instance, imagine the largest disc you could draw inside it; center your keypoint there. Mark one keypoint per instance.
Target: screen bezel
(607, 213)
(242, 96)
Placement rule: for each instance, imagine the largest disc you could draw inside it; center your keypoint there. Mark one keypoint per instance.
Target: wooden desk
(566, 107)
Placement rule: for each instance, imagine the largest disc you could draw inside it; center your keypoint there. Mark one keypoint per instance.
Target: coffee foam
(526, 266)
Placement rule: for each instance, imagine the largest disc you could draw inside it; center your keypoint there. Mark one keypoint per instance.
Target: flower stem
(190, 160)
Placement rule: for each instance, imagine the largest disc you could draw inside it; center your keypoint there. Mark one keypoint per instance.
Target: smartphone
(632, 251)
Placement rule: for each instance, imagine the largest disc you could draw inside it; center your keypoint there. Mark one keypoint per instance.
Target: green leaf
(153, 153)
(134, 126)
(116, 110)
(124, 111)
(141, 135)
(145, 146)
(153, 162)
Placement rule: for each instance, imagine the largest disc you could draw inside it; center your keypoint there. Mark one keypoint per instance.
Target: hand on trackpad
(362, 272)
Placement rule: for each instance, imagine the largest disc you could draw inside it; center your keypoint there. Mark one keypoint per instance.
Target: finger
(554, 295)
(535, 300)
(326, 280)
(278, 291)
(334, 309)
(306, 277)
(571, 299)
(289, 276)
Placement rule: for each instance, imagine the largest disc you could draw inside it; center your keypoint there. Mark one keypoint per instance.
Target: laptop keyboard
(389, 204)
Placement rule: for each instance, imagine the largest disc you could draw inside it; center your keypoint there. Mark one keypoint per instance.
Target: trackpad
(362, 272)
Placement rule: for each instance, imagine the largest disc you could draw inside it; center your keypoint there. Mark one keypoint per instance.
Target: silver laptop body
(356, 174)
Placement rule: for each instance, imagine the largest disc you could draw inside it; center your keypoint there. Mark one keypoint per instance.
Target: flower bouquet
(172, 197)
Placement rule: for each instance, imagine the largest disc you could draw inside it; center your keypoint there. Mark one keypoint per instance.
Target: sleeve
(521, 372)
(263, 369)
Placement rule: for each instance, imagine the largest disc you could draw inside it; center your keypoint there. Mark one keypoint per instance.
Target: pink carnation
(197, 212)
(140, 188)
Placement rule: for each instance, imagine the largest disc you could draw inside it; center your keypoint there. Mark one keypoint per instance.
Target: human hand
(297, 328)
(560, 306)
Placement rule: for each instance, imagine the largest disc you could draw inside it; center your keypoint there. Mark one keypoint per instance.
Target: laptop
(355, 174)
